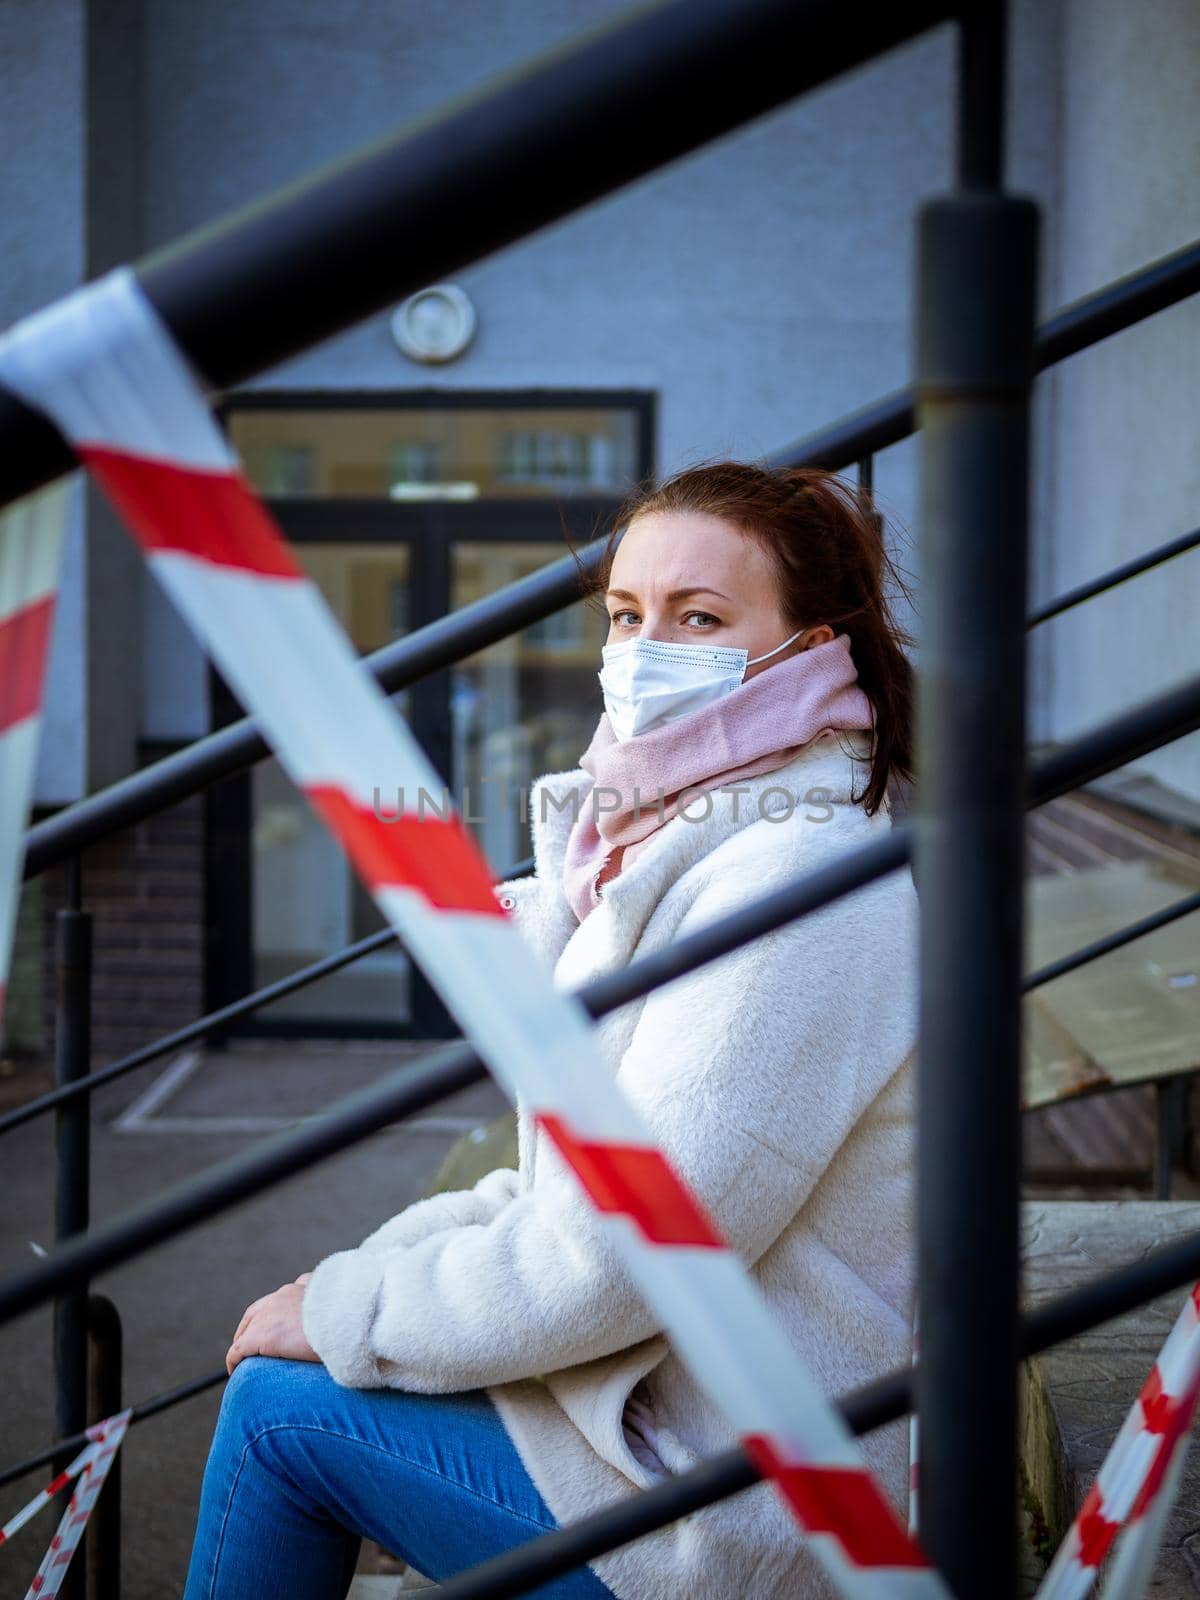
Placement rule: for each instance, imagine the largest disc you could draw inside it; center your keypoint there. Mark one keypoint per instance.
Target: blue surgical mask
(647, 682)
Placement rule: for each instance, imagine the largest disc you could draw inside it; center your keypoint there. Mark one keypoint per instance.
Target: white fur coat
(779, 1080)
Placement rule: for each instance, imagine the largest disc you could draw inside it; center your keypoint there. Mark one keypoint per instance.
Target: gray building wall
(1124, 452)
(70, 202)
(42, 249)
(762, 286)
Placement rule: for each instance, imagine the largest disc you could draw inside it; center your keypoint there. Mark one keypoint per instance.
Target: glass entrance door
(490, 725)
(305, 901)
(525, 706)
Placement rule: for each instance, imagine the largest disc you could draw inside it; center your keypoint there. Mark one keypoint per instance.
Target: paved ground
(1091, 1381)
(181, 1302)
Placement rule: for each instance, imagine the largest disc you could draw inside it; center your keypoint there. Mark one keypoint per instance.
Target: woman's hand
(272, 1327)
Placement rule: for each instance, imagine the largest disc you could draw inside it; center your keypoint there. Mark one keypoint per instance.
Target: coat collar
(822, 778)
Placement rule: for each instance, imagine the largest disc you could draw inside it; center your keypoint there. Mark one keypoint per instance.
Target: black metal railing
(281, 276)
(412, 1089)
(395, 666)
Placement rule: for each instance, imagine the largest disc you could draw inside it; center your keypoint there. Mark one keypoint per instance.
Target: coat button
(508, 902)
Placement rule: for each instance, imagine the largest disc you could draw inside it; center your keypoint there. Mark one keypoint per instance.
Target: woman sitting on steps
(481, 1367)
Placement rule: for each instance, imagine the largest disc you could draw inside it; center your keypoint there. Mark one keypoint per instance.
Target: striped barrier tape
(44, 1496)
(1137, 1547)
(104, 368)
(1132, 1477)
(31, 540)
(49, 1576)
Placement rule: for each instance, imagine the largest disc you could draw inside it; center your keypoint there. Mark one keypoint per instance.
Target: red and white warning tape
(1139, 1542)
(44, 1496)
(90, 1466)
(65, 1542)
(105, 369)
(1131, 1482)
(31, 538)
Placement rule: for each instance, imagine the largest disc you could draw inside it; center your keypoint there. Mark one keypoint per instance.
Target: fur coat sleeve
(748, 1080)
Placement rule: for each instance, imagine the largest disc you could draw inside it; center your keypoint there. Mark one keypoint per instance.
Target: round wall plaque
(435, 324)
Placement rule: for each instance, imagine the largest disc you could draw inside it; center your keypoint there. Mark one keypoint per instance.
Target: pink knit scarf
(760, 725)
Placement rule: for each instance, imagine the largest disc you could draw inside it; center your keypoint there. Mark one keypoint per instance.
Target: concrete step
(368, 1587)
(1075, 1397)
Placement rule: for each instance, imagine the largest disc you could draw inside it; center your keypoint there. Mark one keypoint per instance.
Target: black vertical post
(72, 1128)
(103, 1533)
(866, 489)
(975, 322)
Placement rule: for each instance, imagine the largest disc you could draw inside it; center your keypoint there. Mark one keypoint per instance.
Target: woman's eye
(617, 615)
(705, 616)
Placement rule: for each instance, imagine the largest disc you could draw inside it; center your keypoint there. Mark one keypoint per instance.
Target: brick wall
(144, 888)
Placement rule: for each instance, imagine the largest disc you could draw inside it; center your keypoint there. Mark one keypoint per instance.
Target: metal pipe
(865, 432)
(979, 94)
(298, 980)
(1083, 323)
(1162, 1138)
(103, 1534)
(872, 1406)
(202, 1026)
(548, 1555)
(375, 941)
(977, 280)
(408, 1090)
(1115, 742)
(1112, 941)
(1170, 1107)
(1119, 305)
(72, 1154)
(1115, 575)
(551, 1554)
(437, 645)
(577, 123)
(147, 1408)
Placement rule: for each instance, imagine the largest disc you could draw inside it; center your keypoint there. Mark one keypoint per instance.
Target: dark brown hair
(826, 541)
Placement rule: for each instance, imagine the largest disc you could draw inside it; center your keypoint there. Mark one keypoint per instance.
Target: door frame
(430, 529)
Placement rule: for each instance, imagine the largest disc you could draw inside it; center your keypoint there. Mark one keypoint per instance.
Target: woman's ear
(821, 635)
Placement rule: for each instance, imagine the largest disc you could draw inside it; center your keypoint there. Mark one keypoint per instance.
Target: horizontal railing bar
(214, 1019)
(611, 991)
(1115, 742)
(328, 964)
(1119, 305)
(1113, 941)
(230, 750)
(350, 1119)
(1076, 327)
(411, 1089)
(871, 1406)
(396, 666)
(859, 1408)
(865, 432)
(578, 123)
(1116, 575)
(549, 1555)
(148, 1408)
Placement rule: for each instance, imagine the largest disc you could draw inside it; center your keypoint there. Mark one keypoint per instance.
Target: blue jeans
(300, 1468)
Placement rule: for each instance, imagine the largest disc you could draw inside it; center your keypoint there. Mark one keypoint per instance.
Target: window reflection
(525, 706)
(459, 453)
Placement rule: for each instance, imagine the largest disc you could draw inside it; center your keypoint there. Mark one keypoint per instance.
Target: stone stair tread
(1076, 1396)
